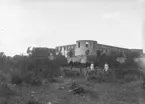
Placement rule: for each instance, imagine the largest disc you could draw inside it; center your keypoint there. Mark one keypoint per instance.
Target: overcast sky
(52, 23)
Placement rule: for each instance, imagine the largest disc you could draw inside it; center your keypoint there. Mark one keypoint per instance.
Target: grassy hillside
(105, 93)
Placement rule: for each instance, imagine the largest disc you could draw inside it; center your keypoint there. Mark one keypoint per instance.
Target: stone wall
(83, 45)
(65, 49)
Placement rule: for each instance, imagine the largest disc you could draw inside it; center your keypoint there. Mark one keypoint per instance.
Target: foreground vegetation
(37, 79)
(104, 93)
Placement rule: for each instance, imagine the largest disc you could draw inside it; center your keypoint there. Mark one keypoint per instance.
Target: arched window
(60, 49)
(98, 52)
(87, 44)
(64, 48)
(94, 45)
(78, 44)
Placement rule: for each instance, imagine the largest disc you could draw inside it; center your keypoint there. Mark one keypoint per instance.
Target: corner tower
(85, 45)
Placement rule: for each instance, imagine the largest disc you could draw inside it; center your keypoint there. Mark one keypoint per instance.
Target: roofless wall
(83, 45)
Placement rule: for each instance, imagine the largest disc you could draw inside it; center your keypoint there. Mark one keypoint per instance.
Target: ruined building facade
(82, 46)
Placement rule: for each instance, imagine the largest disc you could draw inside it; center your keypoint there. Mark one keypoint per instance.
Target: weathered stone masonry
(82, 46)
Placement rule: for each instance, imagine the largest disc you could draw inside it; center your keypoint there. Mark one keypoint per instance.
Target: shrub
(76, 88)
(94, 79)
(16, 76)
(33, 102)
(129, 78)
(71, 73)
(33, 68)
(6, 91)
(95, 76)
(16, 79)
(32, 79)
(4, 77)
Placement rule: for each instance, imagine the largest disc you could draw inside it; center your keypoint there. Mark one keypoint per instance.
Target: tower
(83, 46)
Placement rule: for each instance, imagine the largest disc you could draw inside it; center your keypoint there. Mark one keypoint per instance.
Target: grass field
(104, 93)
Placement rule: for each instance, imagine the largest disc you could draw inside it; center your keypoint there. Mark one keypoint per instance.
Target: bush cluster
(120, 70)
(31, 69)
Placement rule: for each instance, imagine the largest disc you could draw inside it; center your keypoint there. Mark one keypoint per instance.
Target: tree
(29, 51)
(2, 60)
(92, 58)
(20, 61)
(60, 60)
(39, 52)
(130, 60)
(98, 52)
(71, 53)
(87, 52)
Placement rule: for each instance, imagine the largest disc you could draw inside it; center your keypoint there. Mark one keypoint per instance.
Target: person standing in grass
(92, 67)
(106, 67)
